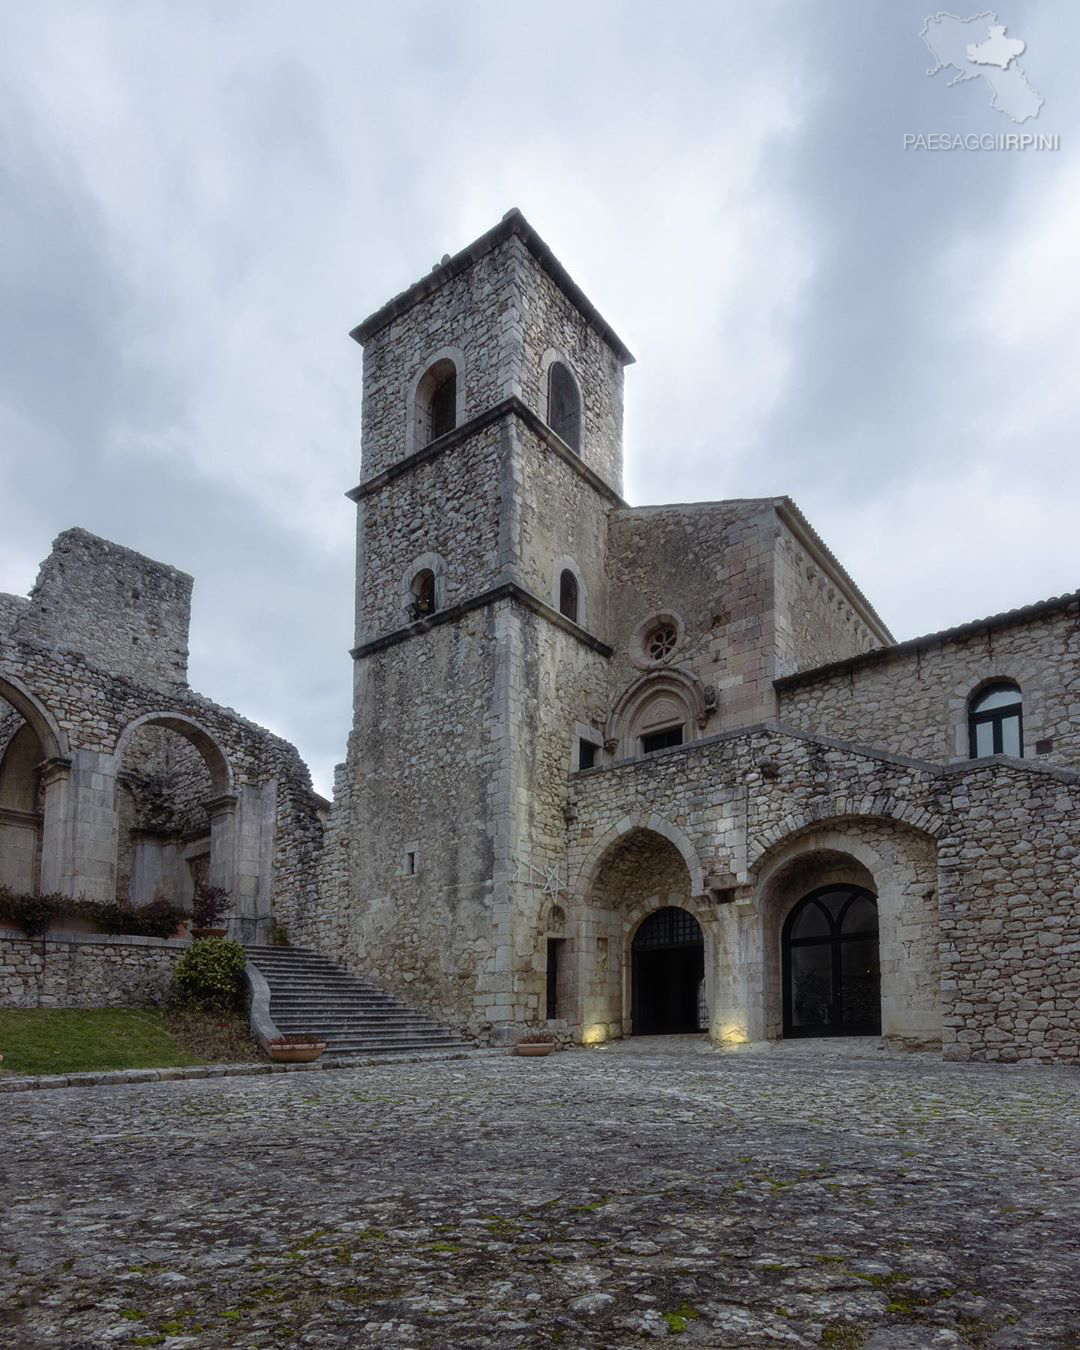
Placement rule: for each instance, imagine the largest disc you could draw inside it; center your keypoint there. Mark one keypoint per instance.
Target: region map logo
(980, 48)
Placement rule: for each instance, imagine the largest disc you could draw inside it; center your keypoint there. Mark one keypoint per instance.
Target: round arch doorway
(667, 967)
(832, 978)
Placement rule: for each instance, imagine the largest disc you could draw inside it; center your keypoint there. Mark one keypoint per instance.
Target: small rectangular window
(410, 864)
(661, 740)
(587, 754)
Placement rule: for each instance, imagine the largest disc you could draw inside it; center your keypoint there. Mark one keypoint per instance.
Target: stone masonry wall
(1011, 947)
(449, 506)
(125, 613)
(503, 315)
(86, 972)
(815, 622)
(1007, 883)
(914, 702)
(712, 563)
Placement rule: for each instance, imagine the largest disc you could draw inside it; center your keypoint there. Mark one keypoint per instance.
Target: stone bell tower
(492, 454)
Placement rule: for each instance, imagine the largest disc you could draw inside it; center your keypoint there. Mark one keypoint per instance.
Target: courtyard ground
(604, 1197)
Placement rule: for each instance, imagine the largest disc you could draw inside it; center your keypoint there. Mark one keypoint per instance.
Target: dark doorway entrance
(667, 966)
(832, 981)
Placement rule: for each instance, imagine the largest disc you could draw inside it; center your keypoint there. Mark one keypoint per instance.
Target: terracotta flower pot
(534, 1048)
(297, 1054)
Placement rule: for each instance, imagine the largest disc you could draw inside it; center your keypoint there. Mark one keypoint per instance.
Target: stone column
(89, 859)
(222, 813)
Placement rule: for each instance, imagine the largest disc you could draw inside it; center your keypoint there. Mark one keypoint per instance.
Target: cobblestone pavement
(595, 1198)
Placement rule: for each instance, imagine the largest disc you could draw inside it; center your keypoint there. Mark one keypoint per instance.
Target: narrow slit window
(568, 595)
(552, 1010)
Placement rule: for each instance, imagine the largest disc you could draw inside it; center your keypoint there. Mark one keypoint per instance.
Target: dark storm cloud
(199, 201)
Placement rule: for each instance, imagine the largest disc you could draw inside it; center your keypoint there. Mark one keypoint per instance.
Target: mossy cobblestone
(598, 1198)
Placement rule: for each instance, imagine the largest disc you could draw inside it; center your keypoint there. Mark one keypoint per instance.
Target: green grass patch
(678, 1319)
(92, 1040)
(76, 1040)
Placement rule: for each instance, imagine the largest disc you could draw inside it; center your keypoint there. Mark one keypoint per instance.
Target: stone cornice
(507, 590)
(508, 407)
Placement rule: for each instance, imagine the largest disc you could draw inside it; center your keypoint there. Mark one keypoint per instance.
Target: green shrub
(34, 913)
(210, 974)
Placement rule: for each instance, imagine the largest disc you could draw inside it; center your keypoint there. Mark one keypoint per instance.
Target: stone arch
(174, 821)
(49, 732)
(655, 824)
(415, 431)
(37, 845)
(763, 844)
(213, 755)
(897, 863)
(641, 865)
(675, 691)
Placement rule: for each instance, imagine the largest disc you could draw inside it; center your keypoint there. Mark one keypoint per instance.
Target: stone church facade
(612, 769)
(659, 768)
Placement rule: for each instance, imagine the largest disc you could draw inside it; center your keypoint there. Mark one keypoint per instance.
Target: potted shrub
(535, 1042)
(297, 1048)
(209, 905)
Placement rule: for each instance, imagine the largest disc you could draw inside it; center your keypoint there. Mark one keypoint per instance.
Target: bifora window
(564, 406)
(996, 723)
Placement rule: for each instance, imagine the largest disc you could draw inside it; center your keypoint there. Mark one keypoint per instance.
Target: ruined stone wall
(125, 613)
(915, 701)
(815, 621)
(12, 608)
(269, 831)
(80, 971)
(712, 565)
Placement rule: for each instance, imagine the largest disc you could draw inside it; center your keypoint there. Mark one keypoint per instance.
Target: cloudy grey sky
(199, 199)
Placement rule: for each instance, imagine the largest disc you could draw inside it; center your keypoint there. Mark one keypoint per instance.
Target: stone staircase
(309, 993)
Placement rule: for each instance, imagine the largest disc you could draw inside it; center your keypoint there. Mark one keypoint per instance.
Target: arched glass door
(668, 965)
(832, 981)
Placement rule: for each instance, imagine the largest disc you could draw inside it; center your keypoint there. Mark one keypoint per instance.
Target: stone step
(310, 994)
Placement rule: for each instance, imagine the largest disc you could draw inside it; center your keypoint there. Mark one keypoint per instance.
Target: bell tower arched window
(423, 592)
(996, 721)
(564, 405)
(436, 403)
